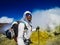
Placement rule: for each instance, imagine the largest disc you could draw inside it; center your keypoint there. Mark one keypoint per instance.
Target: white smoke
(6, 20)
(49, 17)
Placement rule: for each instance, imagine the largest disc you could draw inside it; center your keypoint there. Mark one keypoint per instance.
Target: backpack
(15, 28)
(8, 34)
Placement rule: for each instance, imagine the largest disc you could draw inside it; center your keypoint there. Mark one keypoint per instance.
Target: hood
(24, 16)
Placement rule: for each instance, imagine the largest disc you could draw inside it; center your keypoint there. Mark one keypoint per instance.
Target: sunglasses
(28, 14)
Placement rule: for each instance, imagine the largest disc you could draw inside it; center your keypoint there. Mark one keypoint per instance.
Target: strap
(24, 24)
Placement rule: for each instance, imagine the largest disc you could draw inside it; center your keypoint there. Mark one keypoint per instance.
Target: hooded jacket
(21, 27)
(24, 33)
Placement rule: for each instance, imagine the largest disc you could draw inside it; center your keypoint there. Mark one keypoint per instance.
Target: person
(24, 34)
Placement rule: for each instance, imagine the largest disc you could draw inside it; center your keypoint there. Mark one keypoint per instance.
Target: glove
(27, 41)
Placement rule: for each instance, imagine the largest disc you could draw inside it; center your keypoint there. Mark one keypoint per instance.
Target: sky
(44, 12)
(16, 8)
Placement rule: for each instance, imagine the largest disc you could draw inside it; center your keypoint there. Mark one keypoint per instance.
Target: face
(29, 18)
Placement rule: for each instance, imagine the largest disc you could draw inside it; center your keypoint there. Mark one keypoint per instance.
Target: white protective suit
(22, 32)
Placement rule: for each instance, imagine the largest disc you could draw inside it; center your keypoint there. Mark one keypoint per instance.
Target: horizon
(13, 10)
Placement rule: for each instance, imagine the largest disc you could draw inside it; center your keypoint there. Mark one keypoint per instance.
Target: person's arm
(34, 29)
(20, 30)
(20, 40)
